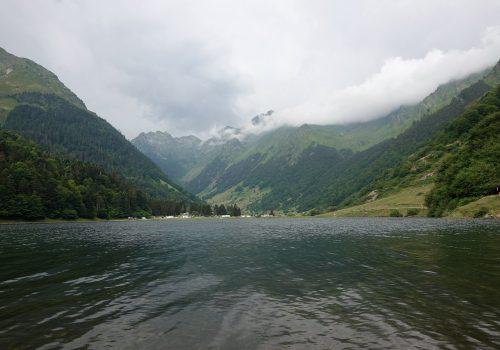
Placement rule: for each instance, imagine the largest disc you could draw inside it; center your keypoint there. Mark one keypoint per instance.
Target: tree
(234, 210)
(222, 210)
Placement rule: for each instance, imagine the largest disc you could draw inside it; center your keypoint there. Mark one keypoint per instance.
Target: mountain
(34, 103)
(299, 168)
(456, 173)
(175, 156)
(368, 166)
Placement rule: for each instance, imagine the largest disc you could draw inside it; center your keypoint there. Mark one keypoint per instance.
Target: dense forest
(471, 169)
(34, 185)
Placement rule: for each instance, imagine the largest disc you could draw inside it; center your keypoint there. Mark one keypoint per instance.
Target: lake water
(251, 284)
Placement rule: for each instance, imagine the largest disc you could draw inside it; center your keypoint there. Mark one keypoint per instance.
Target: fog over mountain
(197, 66)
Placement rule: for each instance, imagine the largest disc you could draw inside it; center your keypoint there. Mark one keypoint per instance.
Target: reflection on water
(251, 284)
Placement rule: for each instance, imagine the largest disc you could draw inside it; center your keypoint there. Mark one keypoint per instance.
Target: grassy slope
(491, 203)
(408, 198)
(399, 186)
(20, 74)
(414, 197)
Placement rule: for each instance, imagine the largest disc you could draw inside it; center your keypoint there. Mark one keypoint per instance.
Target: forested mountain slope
(35, 185)
(324, 177)
(458, 165)
(471, 167)
(367, 166)
(457, 173)
(279, 169)
(37, 105)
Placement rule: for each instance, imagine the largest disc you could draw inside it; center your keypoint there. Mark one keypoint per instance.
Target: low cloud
(400, 81)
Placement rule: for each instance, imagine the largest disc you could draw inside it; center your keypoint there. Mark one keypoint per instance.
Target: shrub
(314, 212)
(395, 213)
(69, 214)
(481, 212)
(412, 212)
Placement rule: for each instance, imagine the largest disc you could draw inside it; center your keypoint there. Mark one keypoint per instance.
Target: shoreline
(62, 221)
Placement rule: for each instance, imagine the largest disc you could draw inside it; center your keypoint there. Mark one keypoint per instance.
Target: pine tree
(222, 210)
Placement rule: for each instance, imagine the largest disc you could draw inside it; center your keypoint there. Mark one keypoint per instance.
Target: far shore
(58, 221)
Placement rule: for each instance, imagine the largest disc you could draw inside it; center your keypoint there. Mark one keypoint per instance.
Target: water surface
(251, 284)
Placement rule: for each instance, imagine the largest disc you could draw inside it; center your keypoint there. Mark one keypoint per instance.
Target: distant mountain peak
(260, 119)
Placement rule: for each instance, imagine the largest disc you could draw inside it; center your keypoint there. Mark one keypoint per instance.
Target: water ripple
(251, 284)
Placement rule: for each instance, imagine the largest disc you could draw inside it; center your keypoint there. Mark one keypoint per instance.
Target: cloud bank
(399, 82)
(192, 66)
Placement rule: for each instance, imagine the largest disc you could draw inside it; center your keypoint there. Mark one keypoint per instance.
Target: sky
(192, 67)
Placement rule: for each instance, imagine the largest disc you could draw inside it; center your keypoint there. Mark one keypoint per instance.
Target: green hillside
(210, 169)
(292, 141)
(20, 74)
(471, 168)
(37, 105)
(297, 169)
(459, 164)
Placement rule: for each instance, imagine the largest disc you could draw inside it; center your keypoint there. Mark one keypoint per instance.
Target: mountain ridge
(245, 169)
(34, 103)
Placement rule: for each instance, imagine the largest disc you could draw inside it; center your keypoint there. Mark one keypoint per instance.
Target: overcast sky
(192, 66)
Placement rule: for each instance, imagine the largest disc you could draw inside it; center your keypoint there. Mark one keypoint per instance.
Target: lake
(251, 284)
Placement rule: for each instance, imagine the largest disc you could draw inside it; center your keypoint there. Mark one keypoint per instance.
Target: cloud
(399, 82)
(191, 66)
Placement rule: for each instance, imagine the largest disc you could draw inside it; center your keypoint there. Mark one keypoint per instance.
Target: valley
(313, 168)
(392, 165)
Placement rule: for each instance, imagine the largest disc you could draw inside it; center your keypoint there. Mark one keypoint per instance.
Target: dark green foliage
(315, 212)
(61, 127)
(220, 210)
(412, 212)
(395, 213)
(34, 185)
(481, 212)
(200, 209)
(472, 169)
(234, 210)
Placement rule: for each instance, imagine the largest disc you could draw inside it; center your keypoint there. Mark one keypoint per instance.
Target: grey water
(251, 284)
